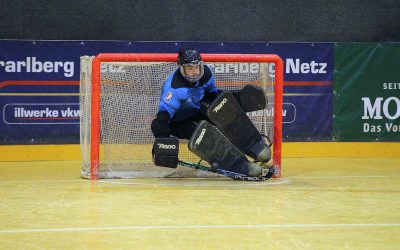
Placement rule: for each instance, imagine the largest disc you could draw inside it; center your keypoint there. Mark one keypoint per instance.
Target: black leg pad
(210, 144)
(229, 117)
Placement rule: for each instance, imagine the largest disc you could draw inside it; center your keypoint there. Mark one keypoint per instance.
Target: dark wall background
(201, 20)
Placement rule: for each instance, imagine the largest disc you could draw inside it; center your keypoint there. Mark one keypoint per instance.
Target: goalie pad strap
(165, 152)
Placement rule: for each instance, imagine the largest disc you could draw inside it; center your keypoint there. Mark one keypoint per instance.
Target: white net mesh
(129, 99)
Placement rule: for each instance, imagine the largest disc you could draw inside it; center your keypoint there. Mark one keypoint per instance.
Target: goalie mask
(190, 64)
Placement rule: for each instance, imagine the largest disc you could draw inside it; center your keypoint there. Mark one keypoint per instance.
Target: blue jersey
(180, 99)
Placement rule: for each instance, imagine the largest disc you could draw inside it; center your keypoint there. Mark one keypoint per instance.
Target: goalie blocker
(165, 152)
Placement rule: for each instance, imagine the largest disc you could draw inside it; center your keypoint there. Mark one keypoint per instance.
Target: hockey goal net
(119, 95)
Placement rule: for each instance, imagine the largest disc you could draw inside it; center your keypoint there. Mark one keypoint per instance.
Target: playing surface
(320, 203)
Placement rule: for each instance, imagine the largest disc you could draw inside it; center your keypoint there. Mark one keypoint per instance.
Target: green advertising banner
(367, 92)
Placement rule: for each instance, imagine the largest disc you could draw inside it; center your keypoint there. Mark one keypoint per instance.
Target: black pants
(185, 128)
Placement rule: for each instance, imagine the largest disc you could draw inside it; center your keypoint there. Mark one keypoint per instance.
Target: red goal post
(95, 117)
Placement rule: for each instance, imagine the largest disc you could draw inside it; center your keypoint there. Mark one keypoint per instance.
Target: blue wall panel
(39, 85)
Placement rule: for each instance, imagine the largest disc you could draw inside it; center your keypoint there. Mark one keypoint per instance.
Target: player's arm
(169, 104)
(160, 125)
(165, 148)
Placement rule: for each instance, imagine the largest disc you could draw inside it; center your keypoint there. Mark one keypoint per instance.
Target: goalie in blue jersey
(214, 121)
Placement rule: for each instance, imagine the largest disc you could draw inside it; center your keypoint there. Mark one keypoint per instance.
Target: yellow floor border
(289, 149)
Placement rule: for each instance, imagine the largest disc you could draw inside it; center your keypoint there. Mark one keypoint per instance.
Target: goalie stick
(233, 175)
(217, 151)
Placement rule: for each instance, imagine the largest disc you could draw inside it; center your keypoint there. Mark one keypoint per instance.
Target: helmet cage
(190, 77)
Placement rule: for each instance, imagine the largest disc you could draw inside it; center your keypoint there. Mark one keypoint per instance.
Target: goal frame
(171, 57)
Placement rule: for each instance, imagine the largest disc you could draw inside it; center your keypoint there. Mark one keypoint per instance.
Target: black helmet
(189, 58)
